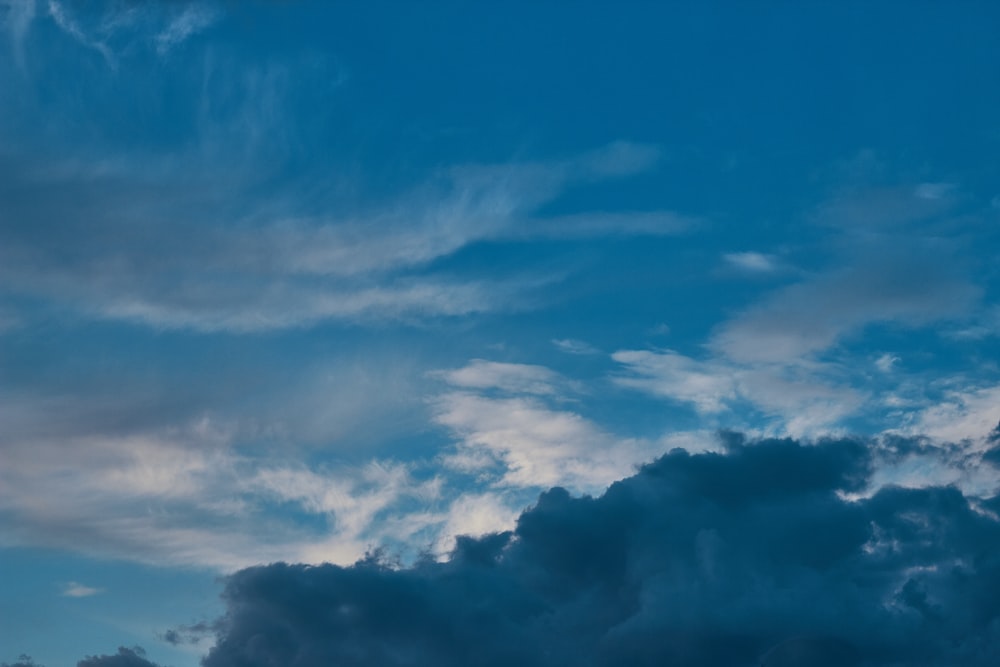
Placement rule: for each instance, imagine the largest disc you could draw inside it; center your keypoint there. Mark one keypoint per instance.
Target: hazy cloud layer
(752, 556)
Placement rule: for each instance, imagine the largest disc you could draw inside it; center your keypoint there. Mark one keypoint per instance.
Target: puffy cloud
(526, 444)
(963, 414)
(751, 556)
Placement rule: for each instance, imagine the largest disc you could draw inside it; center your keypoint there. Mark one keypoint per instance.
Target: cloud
(750, 556)
(911, 286)
(20, 14)
(191, 20)
(520, 442)
(886, 362)
(191, 498)
(598, 225)
(708, 386)
(792, 356)
(163, 25)
(354, 501)
(751, 262)
(179, 261)
(125, 657)
(872, 208)
(510, 378)
(619, 158)
(69, 26)
(800, 399)
(960, 415)
(572, 346)
(77, 590)
(22, 661)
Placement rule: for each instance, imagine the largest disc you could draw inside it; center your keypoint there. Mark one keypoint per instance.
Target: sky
(547, 333)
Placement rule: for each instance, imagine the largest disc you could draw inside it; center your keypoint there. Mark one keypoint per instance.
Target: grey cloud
(912, 285)
(189, 634)
(753, 556)
(887, 207)
(22, 661)
(119, 243)
(125, 657)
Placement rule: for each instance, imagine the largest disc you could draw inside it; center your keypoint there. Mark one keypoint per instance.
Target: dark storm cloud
(749, 557)
(126, 657)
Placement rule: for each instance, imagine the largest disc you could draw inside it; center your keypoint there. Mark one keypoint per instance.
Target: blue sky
(295, 281)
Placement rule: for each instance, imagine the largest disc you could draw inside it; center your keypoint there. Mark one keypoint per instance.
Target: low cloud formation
(770, 553)
(126, 657)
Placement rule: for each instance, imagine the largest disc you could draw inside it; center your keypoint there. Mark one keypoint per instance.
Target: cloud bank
(753, 556)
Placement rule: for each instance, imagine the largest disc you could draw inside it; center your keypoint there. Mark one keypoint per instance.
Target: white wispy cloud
(799, 399)
(352, 498)
(573, 346)
(67, 24)
(909, 285)
(511, 378)
(19, 16)
(708, 386)
(191, 20)
(872, 208)
(286, 271)
(187, 499)
(753, 262)
(522, 443)
(77, 590)
(886, 362)
(787, 355)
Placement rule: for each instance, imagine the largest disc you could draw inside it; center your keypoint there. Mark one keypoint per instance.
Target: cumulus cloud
(961, 414)
(751, 556)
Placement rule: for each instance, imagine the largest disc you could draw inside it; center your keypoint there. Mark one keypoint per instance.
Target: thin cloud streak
(277, 275)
